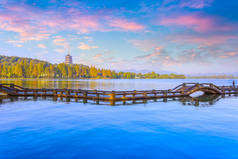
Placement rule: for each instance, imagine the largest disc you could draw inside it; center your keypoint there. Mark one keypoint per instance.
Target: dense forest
(17, 67)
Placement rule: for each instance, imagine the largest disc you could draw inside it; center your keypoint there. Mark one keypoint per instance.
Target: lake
(204, 127)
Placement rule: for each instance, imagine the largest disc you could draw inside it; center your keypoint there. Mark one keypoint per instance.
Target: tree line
(17, 67)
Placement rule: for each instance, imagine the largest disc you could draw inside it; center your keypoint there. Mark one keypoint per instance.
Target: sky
(182, 36)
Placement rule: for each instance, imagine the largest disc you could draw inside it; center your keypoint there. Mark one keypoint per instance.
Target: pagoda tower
(68, 59)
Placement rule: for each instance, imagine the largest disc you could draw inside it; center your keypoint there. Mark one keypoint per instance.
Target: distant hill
(147, 71)
(15, 59)
(214, 75)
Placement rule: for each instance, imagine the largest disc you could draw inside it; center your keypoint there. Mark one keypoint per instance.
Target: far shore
(115, 78)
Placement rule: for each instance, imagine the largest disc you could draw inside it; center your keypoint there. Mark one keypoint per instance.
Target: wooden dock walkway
(182, 90)
(201, 101)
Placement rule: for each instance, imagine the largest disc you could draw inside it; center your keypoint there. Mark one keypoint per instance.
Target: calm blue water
(174, 129)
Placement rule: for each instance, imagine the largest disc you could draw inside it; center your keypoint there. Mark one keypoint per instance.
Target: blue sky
(183, 36)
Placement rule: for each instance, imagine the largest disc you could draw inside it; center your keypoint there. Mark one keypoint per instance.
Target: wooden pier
(182, 90)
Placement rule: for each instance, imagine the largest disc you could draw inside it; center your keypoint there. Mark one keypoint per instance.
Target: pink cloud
(71, 20)
(204, 41)
(155, 54)
(126, 25)
(36, 24)
(196, 22)
(22, 25)
(228, 54)
(42, 46)
(84, 46)
(150, 56)
(198, 4)
(86, 24)
(144, 45)
(59, 41)
(15, 8)
(194, 4)
(99, 58)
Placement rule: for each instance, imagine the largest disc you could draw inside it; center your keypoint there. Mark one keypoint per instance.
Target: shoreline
(110, 78)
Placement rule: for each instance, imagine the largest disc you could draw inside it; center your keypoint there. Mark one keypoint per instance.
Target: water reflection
(82, 84)
(110, 84)
(202, 101)
(41, 83)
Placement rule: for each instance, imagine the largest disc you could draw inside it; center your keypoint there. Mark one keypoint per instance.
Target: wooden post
(34, 92)
(196, 103)
(44, 92)
(124, 95)
(54, 93)
(11, 85)
(85, 100)
(55, 98)
(184, 84)
(134, 94)
(85, 94)
(98, 96)
(68, 93)
(223, 91)
(124, 102)
(155, 94)
(197, 85)
(182, 92)
(112, 102)
(144, 101)
(79, 90)
(183, 101)
(211, 85)
(145, 95)
(112, 96)
(67, 99)
(64, 92)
